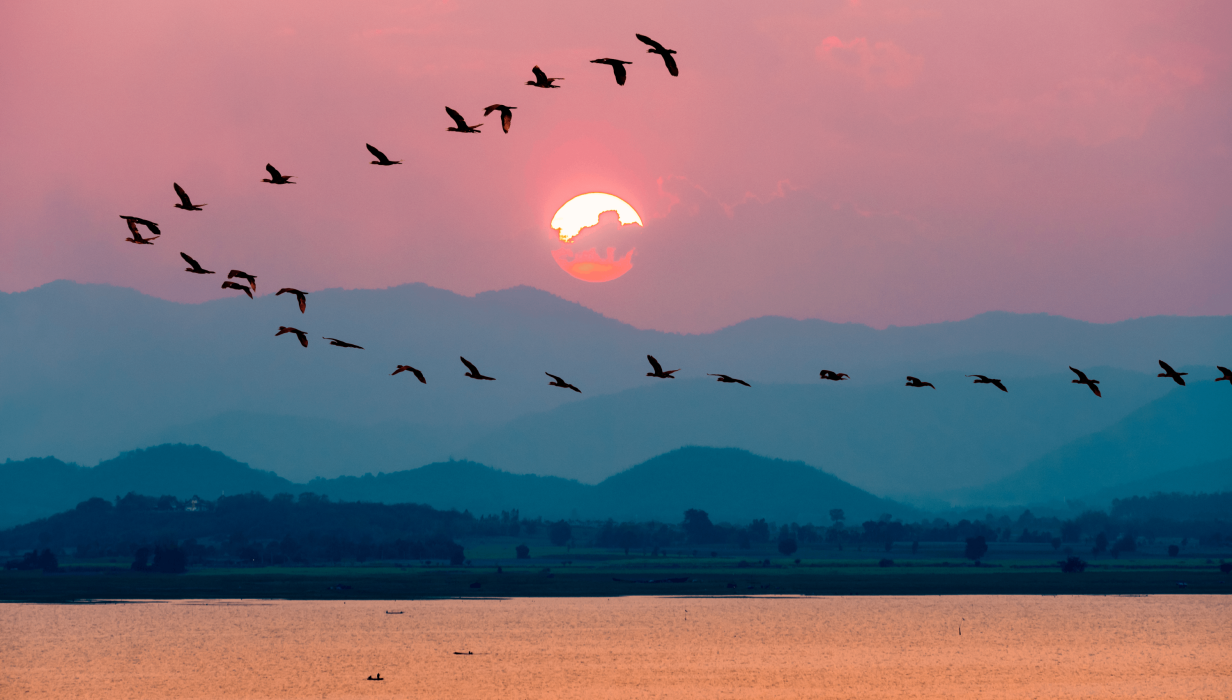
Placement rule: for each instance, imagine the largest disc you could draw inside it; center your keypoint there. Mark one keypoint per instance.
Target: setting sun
(584, 211)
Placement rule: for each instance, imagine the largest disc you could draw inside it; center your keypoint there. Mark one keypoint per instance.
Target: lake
(638, 647)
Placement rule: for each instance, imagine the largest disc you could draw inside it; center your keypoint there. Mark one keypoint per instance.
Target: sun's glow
(583, 211)
(588, 266)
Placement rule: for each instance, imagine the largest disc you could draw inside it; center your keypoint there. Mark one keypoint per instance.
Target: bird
(236, 285)
(1227, 374)
(618, 67)
(658, 369)
(1169, 372)
(303, 337)
(136, 235)
(656, 47)
(834, 376)
(541, 79)
(914, 382)
(252, 279)
(341, 343)
(196, 268)
(1082, 379)
(985, 380)
(462, 127)
(303, 303)
(185, 203)
(277, 178)
(727, 380)
(506, 115)
(380, 157)
(412, 370)
(561, 383)
(474, 372)
(144, 222)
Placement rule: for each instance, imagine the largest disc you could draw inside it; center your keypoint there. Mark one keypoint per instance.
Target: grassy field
(593, 575)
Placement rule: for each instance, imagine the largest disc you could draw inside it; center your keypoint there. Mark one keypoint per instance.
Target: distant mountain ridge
(732, 485)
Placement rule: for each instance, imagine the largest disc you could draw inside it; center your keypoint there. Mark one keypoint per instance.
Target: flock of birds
(541, 81)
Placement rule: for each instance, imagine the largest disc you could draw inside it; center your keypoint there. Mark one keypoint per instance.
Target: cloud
(881, 64)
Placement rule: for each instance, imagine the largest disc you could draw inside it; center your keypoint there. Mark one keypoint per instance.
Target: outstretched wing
(303, 337)
(376, 153)
(671, 63)
(453, 114)
(540, 76)
(553, 376)
(150, 225)
(471, 367)
(188, 259)
(490, 109)
(1096, 390)
(506, 120)
(274, 174)
(419, 375)
(401, 368)
(619, 69)
(179, 191)
(997, 383)
(132, 227)
(1227, 373)
(1165, 367)
(650, 42)
(658, 368)
(1081, 375)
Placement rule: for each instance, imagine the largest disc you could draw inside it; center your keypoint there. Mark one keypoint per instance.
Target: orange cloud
(590, 267)
(881, 64)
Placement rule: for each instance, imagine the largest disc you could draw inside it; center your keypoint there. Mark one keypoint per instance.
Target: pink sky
(853, 161)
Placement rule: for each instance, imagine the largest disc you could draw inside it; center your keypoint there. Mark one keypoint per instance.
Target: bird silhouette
(656, 47)
(341, 343)
(462, 127)
(474, 372)
(196, 268)
(1082, 379)
(1169, 372)
(985, 380)
(834, 376)
(380, 157)
(506, 115)
(144, 222)
(277, 178)
(658, 369)
(727, 380)
(236, 285)
(541, 79)
(252, 279)
(1227, 374)
(303, 337)
(561, 383)
(303, 303)
(618, 67)
(913, 382)
(136, 235)
(185, 203)
(407, 368)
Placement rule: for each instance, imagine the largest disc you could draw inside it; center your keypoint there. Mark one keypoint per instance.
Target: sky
(886, 163)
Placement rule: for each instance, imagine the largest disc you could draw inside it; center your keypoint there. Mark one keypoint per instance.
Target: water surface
(885, 647)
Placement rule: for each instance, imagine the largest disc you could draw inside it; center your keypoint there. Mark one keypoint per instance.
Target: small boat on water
(378, 678)
(393, 612)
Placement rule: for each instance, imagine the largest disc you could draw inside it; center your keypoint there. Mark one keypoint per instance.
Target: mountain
(89, 371)
(1181, 429)
(1208, 477)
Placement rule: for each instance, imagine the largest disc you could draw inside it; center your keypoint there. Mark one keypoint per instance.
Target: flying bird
(914, 382)
(618, 67)
(412, 370)
(1227, 374)
(380, 157)
(658, 369)
(136, 235)
(303, 303)
(341, 343)
(1173, 374)
(834, 376)
(541, 79)
(185, 203)
(727, 380)
(462, 127)
(656, 47)
(981, 379)
(252, 279)
(277, 178)
(561, 383)
(236, 285)
(506, 115)
(144, 222)
(1082, 379)
(303, 337)
(196, 268)
(474, 372)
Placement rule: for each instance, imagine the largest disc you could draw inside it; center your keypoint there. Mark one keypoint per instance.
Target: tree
(169, 560)
(976, 548)
(1127, 543)
(523, 551)
(759, 531)
(787, 546)
(1101, 544)
(1073, 565)
(1056, 543)
(560, 532)
(698, 527)
(1173, 550)
(836, 515)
